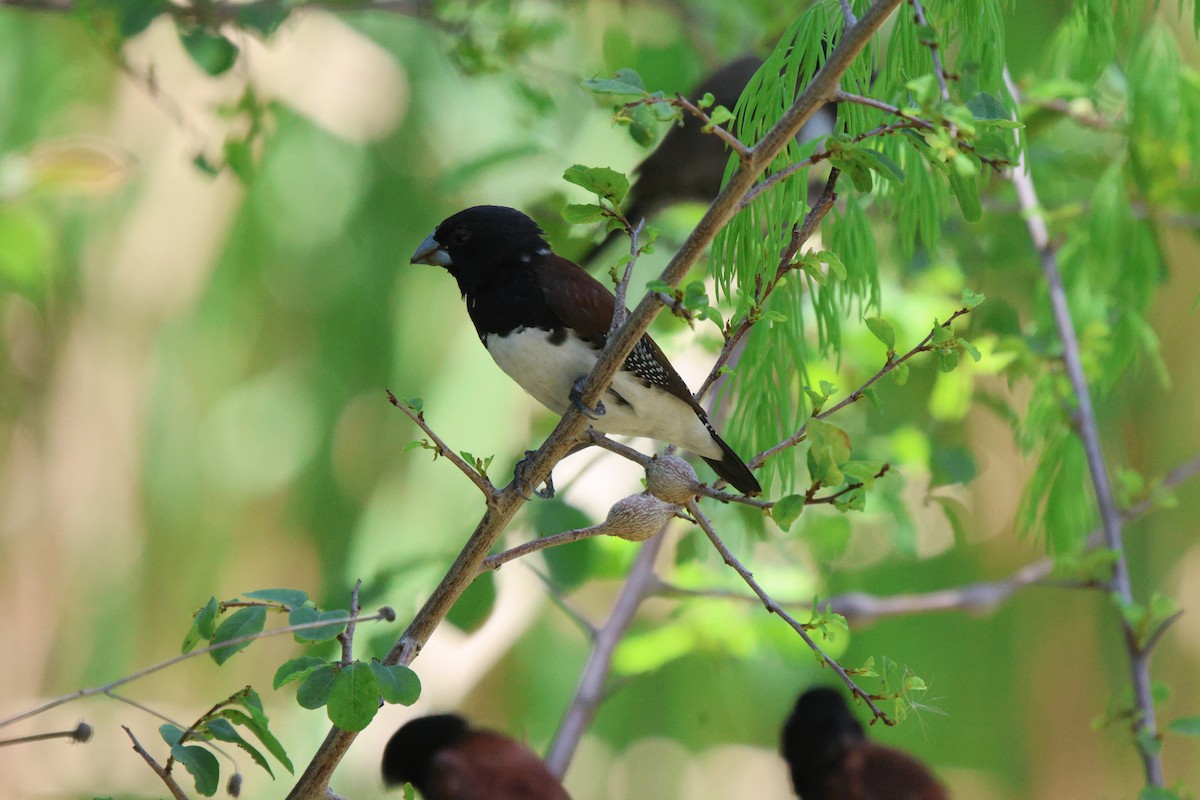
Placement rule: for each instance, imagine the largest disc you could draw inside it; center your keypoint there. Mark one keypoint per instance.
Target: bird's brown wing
(586, 306)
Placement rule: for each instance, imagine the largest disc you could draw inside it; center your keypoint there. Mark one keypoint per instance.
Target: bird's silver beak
(430, 252)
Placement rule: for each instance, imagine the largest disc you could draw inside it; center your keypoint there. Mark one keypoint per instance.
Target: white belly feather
(548, 371)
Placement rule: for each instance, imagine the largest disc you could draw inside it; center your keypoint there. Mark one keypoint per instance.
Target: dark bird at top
(688, 165)
(830, 758)
(446, 759)
(544, 321)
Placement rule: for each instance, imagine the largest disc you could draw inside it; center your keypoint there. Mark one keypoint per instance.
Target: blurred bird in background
(444, 758)
(830, 758)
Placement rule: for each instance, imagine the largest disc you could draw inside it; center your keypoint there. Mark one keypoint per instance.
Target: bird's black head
(411, 750)
(479, 239)
(817, 736)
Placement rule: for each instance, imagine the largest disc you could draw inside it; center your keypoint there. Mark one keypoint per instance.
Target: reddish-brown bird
(446, 759)
(830, 757)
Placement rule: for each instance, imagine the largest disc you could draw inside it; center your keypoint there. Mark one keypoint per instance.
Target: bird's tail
(731, 469)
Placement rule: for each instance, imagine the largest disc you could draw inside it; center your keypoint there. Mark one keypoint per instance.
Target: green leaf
(210, 51)
(397, 683)
(203, 766)
(354, 697)
(873, 396)
(1188, 726)
(202, 625)
(1157, 793)
(314, 690)
(297, 669)
(287, 597)
(625, 83)
(941, 335)
(475, 604)
(787, 509)
(223, 730)
(987, 106)
(643, 125)
(134, 16)
(718, 116)
(966, 191)
(947, 360)
(257, 723)
(863, 472)
(307, 614)
(972, 299)
(582, 213)
(882, 330)
(416, 404)
(243, 622)
(900, 374)
(971, 350)
(601, 181)
(170, 733)
(263, 16)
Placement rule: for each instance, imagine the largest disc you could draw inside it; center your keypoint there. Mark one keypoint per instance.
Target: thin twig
(78, 735)
(620, 311)
(346, 637)
(166, 777)
(384, 614)
(1144, 725)
(848, 13)
(590, 691)
(854, 396)
(146, 709)
(558, 597)
(800, 235)
(934, 50)
(480, 480)
(498, 560)
(775, 608)
(731, 141)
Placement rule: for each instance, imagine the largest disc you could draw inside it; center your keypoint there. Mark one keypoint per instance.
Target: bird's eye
(460, 236)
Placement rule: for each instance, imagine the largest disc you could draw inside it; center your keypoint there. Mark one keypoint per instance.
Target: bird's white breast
(548, 371)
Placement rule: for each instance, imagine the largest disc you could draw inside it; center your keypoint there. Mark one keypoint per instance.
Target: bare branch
(620, 311)
(1144, 724)
(346, 637)
(78, 735)
(386, 614)
(775, 608)
(854, 396)
(480, 480)
(166, 777)
(590, 692)
(934, 49)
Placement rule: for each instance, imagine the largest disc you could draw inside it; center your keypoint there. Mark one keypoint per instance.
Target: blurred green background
(192, 404)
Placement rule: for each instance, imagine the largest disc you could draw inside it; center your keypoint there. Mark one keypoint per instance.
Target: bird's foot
(576, 397)
(526, 488)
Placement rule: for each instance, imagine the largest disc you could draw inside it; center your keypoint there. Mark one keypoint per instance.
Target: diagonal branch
(775, 608)
(640, 584)
(1144, 726)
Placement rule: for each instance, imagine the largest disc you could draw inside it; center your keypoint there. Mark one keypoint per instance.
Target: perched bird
(446, 759)
(689, 164)
(544, 321)
(830, 758)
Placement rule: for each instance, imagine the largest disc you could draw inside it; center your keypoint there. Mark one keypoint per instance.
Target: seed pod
(638, 517)
(672, 479)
